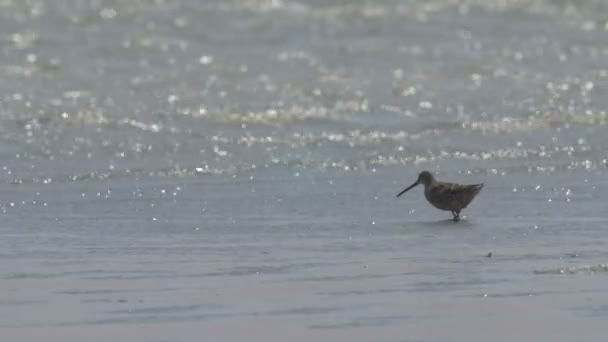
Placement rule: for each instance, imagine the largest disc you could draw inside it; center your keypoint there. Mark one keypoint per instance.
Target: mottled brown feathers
(446, 196)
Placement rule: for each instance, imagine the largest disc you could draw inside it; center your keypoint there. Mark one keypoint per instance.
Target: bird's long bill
(406, 189)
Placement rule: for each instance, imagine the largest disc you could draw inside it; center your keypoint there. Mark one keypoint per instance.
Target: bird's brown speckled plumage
(446, 196)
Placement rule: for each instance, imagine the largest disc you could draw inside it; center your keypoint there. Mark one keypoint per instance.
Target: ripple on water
(585, 269)
(162, 310)
(373, 321)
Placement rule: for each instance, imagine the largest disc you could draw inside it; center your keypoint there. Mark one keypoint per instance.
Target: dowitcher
(446, 196)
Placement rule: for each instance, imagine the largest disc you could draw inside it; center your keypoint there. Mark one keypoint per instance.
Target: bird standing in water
(446, 196)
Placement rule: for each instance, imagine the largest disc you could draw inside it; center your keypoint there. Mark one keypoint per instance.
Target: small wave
(174, 172)
(544, 121)
(87, 117)
(278, 117)
(160, 310)
(370, 321)
(601, 268)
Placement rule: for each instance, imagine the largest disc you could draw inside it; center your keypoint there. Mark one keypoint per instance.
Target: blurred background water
(227, 170)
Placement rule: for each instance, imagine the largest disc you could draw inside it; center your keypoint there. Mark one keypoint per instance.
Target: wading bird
(446, 196)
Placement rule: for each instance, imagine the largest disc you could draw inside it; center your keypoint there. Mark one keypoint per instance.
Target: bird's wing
(463, 193)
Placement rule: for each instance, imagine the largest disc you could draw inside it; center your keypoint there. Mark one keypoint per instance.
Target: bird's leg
(456, 215)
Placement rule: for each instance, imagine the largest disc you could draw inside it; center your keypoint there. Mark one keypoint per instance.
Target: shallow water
(187, 170)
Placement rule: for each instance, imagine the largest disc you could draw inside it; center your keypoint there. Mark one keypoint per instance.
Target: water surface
(227, 170)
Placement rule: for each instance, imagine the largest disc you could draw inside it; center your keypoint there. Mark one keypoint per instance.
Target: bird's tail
(477, 187)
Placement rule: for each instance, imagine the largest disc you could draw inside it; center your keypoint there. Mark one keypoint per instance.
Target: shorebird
(446, 196)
